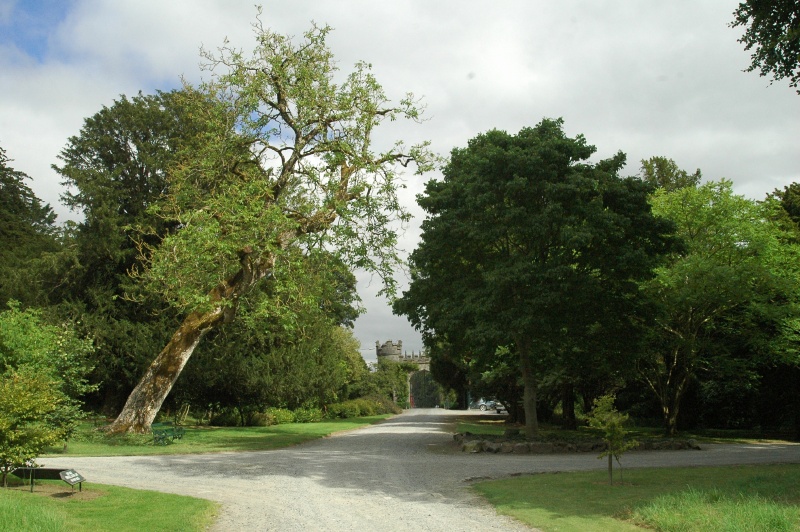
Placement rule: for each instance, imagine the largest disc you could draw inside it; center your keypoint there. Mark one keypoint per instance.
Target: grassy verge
(751, 498)
(91, 442)
(101, 508)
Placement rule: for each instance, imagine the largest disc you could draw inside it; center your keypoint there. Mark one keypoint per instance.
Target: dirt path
(398, 475)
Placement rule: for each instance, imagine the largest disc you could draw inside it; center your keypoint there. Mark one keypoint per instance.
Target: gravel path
(402, 474)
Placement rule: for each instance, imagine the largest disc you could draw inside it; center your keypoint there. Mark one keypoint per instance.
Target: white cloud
(647, 77)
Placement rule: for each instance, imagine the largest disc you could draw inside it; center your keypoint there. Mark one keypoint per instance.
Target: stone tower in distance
(394, 352)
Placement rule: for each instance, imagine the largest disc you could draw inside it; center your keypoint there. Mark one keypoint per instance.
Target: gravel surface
(402, 474)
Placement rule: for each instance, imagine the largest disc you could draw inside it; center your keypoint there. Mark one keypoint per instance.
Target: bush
(308, 414)
(260, 419)
(225, 418)
(363, 406)
(279, 416)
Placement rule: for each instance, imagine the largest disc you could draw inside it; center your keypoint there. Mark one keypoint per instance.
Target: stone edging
(475, 443)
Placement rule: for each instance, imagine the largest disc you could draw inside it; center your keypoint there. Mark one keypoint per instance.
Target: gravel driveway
(402, 474)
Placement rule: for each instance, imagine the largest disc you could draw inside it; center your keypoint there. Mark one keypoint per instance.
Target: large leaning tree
(287, 163)
(528, 243)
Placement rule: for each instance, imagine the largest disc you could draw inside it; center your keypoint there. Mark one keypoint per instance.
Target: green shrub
(279, 416)
(260, 419)
(308, 414)
(224, 418)
(363, 406)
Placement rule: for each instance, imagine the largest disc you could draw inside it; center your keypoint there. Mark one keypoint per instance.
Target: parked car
(482, 404)
(500, 407)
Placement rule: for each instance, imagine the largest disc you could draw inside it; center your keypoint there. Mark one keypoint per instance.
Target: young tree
(43, 372)
(773, 30)
(528, 242)
(604, 416)
(287, 162)
(28, 400)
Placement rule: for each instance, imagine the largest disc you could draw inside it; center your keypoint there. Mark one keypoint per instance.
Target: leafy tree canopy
(528, 244)
(43, 372)
(772, 31)
(286, 162)
(734, 283)
(665, 173)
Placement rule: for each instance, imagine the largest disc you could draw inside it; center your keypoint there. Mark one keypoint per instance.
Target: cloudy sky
(646, 77)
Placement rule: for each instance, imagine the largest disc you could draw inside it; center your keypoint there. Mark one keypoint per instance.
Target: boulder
(474, 446)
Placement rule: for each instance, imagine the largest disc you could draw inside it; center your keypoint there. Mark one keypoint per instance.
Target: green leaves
(528, 244)
(43, 371)
(772, 31)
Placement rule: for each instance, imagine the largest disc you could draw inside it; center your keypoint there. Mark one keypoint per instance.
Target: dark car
(482, 404)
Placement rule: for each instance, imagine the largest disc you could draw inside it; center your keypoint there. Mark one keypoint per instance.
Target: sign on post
(72, 477)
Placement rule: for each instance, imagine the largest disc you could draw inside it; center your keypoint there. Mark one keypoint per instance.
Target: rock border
(477, 443)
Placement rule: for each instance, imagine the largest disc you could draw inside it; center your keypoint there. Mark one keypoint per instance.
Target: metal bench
(166, 432)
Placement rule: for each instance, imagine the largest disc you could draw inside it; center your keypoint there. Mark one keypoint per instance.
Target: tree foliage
(43, 371)
(28, 401)
(114, 170)
(286, 163)
(289, 347)
(606, 417)
(526, 244)
(664, 173)
(772, 31)
(27, 229)
(726, 301)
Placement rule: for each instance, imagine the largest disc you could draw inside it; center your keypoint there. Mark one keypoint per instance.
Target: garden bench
(166, 432)
(32, 474)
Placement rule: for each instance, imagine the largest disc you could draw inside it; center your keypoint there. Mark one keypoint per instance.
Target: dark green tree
(772, 31)
(114, 170)
(527, 241)
(27, 230)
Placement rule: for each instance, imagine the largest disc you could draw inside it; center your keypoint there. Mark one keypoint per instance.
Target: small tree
(606, 418)
(35, 355)
(29, 404)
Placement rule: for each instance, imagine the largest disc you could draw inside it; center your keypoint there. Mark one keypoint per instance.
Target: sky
(646, 77)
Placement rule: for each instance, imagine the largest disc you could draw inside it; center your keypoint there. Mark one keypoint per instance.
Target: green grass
(740, 498)
(91, 442)
(103, 508)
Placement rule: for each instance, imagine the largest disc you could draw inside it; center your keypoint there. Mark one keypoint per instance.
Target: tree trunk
(568, 407)
(146, 399)
(529, 394)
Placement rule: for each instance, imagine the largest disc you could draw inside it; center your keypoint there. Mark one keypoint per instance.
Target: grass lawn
(746, 498)
(54, 507)
(91, 442)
